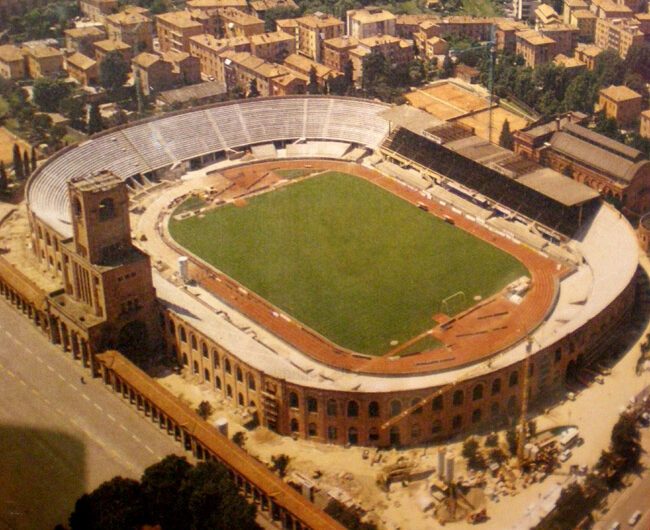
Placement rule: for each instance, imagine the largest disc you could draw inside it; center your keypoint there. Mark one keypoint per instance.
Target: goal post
(453, 303)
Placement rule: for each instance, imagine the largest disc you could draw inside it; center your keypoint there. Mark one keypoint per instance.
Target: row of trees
(41, 22)
(173, 494)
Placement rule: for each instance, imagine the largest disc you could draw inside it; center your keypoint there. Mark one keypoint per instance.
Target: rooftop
(266, 38)
(583, 14)
(128, 18)
(207, 4)
(10, 53)
(341, 42)
(180, 19)
(304, 65)
(87, 31)
(534, 38)
(42, 52)
(319, 20)
(146, 59)
(198, 91)
(241, 18)
(370, 14)
(619, 93)
(558, 187)
(110, 45)
(210, 41)
(81, 61)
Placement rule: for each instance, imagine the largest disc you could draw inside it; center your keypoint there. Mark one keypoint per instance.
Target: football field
(352, 261)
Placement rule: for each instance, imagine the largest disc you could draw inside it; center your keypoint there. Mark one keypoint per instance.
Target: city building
(570, 7)
(430, 47)
(607, 9)
(288, 26)
(505, 35)
(273, 47)
(208, 48)
(620, 103)
(98, 9)
(301, 66)
(12, 62)
(370, 21)
(186, 69)
(620, 173)
(587, 54)
(564, 36)
(644, 124)
(212, 7)
(260, 7)
(585, 21)
(336, 52)
(618, 34)
(82, 39)
(313, 30)
(104, 47)
(236, 23)
(133, 28)
(545, 14)
(82, 68)
(394, 49)
(241, 69)
(571, 64)
(44, 61)
(534, 48)
(407, 25)
(174, 30)
(524, 9)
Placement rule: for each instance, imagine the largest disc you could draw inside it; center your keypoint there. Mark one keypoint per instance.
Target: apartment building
(260, 7)
(98, 9)
(43, 61)
(524, 9)
(370, 21)
(585, 21)
(82, 39)
(565, 37)
(394, 49)
(239, 69)
(313, 30)
(336, 52)
(104, 47)
(587, 53)
(644, 124)
(505, 34)
(131, 27)
(534, 48)
(607, 9)
(175, 29)
(620, 103)
(157, 72)
(12, 62)
(207, 49)
(236, 23)
(273, 47)
(302, 66)
(407, 25)
(571, 6)
(82, 69)
(211, 7)
(545, 14)
(618, 35)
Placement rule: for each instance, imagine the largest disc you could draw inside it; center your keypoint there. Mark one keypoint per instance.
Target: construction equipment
(477, 517)
(400, 471)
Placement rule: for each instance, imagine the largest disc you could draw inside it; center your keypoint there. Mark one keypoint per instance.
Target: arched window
(436, 427)
(240, 375)
(195, 367)
(181, 332)
(193, 339)
(415, 403)
(457, 422)
(312, 429)
(171, 327)
(217, 382)
(312, 404)
(228, 367)
(458, 398)
(373, 409)
(514, 379)
(395, 436)
(294, 425)
(331, 433)
(240, 399)
(496, 386)
(293, 400)
(251, 382)
(215, 358)
(204, 349)
(353, 409)
(353, 436)
(206, 374)
(185, 360)
(228, 391)
(477, 393)
(436, 404)
(476, 415)
(331, 407)
(395, 407)
(106, 209)
(373, 434)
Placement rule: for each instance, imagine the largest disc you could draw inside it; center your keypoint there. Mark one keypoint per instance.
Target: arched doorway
(395, 438)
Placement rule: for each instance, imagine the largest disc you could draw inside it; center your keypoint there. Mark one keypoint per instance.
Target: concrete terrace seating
(160, 143)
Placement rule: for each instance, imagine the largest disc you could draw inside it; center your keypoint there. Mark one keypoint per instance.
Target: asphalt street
(60, 437)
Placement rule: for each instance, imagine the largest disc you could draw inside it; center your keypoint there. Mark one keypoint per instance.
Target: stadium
(349, 272)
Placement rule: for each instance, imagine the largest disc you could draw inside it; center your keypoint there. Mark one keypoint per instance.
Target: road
(60, 438)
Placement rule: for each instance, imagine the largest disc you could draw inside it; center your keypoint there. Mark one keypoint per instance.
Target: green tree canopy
(48, 93)
(95, 123)
(505, 138)
(113, 71)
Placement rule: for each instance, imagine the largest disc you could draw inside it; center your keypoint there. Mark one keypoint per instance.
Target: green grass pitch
(352, 261)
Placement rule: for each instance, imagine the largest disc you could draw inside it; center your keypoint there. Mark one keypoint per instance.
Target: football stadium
(336, 269)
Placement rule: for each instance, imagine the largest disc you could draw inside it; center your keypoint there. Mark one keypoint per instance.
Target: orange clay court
(479, 332)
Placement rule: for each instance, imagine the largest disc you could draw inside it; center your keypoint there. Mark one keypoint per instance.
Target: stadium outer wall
(342, 417)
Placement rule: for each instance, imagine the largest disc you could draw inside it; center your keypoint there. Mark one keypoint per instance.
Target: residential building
(432, 46)
(370, 21)
(618, 35)
(534, 48)
(587, 53)
(643, 20)
(175, 29)
(207, 49)
(12, 62)
(620, 103)
(82, 68)
(570, 64)
(585, 21)
(607, 9)
(545, 14)
(620, 173)
(288, 25)
(302, 66)
(474, 28)
(564, 36)
(211, 22)
(236, 23)
(407, 25)
(240, 69)
(104, 47)
(394, 49)
(185, 68)
(644, 124)
(505, 35)
(98, 9)
(524, 9)
(260, 7)
(313, 30)
(273, 47)
(153, 73)
(131, 27)
(211, 7)
(467, 73)
(570, 7)
(44, 61)
(336, 52)
(82, 39)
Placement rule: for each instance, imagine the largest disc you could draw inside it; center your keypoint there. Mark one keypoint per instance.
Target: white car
(634, 518)
(615, 526)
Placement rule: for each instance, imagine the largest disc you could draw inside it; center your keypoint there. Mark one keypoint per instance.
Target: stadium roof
(410, 118)
(558, 187)
(200, 91)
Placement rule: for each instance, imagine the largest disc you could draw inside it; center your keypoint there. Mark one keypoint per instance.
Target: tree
(470, 448)
(18, 163)
(447, 67)
(204, 409)
(638, 60)
(74, 108)
(113, 71)
(239, 438)
(3, 176)
(350, 520)
(26, 167)
(48, 93)
(512, 437)
(312, 85)
(280, 464)
(161, 484)
(253, 91)
(625, 441)
(348, 74)
(115, 505)
(505, 138)
(95, 119)
(33, 159)
(581, 93)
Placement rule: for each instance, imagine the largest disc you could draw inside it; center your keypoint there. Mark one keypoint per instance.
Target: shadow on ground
(42, 474)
